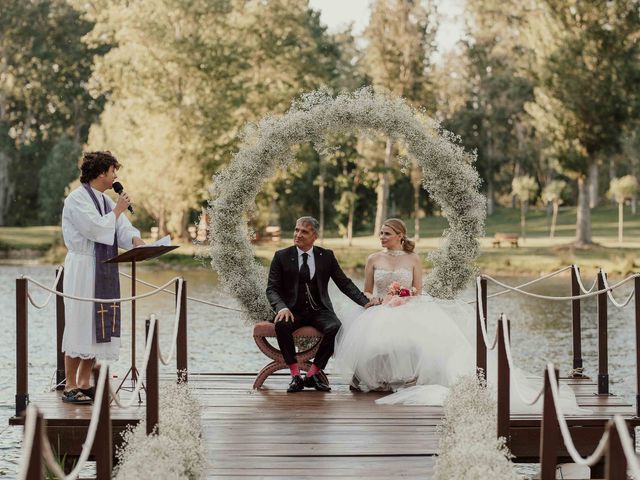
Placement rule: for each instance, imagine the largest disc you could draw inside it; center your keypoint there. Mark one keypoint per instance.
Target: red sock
(295, 370)
(313, 370)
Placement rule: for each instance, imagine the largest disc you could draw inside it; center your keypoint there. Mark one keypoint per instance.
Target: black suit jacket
(282, 288)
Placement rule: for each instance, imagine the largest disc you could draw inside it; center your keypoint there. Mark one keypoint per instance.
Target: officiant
(93, 227)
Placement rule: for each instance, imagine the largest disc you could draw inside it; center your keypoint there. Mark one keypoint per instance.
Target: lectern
(137, 254)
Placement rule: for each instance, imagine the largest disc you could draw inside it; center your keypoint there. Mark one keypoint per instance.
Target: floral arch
(448, 174)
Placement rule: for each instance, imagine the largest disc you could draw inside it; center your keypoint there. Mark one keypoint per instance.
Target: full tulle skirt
(419, 349)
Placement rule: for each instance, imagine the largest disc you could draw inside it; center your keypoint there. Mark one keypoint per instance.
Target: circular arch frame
(448, 174)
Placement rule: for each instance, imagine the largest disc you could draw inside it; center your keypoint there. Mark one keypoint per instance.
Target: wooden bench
(512, 238)
(264, 330)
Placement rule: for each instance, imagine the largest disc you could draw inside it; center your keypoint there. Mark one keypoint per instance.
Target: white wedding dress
(419, 348)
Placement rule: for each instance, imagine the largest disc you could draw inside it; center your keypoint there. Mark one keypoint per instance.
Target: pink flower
(404, 292)
(396, 301)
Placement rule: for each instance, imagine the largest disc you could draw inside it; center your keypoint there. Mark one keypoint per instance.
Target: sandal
(89, 392)
(76, 396)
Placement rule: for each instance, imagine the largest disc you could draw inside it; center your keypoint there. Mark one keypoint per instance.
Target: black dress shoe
(314, 382)
(296, 385)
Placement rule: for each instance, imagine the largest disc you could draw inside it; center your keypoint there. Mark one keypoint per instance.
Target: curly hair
(96, 163)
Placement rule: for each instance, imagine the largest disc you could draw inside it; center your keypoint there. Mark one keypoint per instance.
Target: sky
(337, 14)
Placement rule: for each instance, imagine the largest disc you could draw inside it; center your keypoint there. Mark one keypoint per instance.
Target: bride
(412, 343)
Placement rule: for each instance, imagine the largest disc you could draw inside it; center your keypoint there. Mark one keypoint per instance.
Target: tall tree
(552, 194)
(198, 70)
(524, 188)
(484, 91)
(400, 42)
(589, 77)
(622, 189)
(44, 98)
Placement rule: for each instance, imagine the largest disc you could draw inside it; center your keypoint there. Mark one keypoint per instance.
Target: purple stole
(106, 316)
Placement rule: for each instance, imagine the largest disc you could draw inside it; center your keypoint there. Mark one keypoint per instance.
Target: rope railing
(47, 452)
(611, 297)
(512, 366)
(193, 299)
(599, 452)
(145, 362)
(561, 299)
(103, 387)
(103, 300)
(579, 279)
(529, 283)
(51, 292)
(28, 438)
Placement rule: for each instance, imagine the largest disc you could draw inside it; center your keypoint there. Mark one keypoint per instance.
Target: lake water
(220, 342)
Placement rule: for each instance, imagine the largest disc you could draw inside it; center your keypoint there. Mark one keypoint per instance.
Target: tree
(483, 90)
(552, 194)
(586, 60)
(524, 188)
(44, 98)
(620, 190)
(197, 70)
(59, 170)
(400, 41)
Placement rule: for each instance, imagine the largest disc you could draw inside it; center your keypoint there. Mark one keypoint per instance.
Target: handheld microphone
(118, 188)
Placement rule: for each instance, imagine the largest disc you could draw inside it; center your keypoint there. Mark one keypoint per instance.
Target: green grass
(36, 238)
(536, 254)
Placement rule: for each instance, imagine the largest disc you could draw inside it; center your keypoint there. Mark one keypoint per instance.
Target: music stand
(137, 254)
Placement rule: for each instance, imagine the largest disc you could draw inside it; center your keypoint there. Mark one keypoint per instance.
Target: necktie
(305, 273)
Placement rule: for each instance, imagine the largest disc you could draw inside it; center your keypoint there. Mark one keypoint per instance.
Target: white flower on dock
(448, 174)
(176, 451)
(468, 446)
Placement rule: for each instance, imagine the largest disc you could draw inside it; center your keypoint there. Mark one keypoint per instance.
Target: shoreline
(517, 262)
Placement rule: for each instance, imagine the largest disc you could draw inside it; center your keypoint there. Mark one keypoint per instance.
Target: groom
(297, 291)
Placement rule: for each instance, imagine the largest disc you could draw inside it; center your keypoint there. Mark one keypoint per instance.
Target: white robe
(82, 227)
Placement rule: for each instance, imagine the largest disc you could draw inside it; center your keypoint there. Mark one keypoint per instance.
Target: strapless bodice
(383, 278)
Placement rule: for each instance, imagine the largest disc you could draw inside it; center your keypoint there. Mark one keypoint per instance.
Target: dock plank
(342, 434)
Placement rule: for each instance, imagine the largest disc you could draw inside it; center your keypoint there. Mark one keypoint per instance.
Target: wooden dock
(268, 433)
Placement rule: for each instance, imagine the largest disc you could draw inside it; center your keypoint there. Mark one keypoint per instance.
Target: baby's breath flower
(448, 174)
(176, 451)
(468, 445)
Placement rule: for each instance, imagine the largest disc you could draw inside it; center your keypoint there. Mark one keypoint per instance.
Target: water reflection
(220, 341)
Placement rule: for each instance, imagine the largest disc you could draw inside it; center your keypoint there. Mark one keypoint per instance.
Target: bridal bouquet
(398, 295)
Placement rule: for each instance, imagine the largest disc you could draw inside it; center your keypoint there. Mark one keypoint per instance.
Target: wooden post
(615, 461)
(152, 379)
(134, 370)
(181, 347)
(60, 320)
(503, 381)
(22, 346)
(636, 294)
(103, 444)
(603, 354)
(575, 313)
(481, 348)
(35, 466)
(550, 431)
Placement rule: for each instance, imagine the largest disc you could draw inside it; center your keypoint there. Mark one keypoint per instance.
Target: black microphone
(118, 188)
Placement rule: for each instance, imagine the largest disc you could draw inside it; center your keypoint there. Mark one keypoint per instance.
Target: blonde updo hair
(400, 228)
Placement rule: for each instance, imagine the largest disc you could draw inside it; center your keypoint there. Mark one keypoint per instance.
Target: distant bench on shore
(512, 238)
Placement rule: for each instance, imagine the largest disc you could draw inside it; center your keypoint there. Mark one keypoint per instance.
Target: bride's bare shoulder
(374, 256)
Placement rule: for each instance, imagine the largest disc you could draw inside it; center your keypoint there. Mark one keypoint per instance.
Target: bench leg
(267, 371)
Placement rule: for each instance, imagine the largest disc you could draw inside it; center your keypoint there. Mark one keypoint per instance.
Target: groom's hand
(374, 301)
(284, 314)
